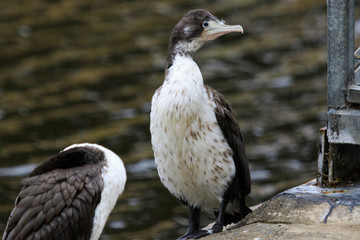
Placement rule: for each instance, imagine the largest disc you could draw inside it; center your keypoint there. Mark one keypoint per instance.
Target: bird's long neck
(182, 48)
(184, 72)
(182, 93)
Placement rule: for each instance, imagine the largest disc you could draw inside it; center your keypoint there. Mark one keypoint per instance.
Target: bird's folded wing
(57, 205)
(231, 131)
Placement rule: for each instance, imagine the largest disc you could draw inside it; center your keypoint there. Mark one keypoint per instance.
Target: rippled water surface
(85, 71)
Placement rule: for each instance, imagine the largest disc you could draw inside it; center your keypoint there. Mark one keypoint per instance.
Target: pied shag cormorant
(69, 196)
(198, 147)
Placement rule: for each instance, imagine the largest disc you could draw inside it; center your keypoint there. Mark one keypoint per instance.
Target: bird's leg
(219, 223)
(193, 231)
(244, 210)
(194, 219)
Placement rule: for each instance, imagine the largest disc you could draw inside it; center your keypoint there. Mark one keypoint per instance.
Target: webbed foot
(195, 234)
(216, 228)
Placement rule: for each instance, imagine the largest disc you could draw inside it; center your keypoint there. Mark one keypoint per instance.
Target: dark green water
(85, 71)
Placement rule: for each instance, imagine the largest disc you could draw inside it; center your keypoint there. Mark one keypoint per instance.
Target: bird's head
(195, 28)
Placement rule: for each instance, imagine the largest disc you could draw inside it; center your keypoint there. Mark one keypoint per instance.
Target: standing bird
(197, 143)
(69, 196)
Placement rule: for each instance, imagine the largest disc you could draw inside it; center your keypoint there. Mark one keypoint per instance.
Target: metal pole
(339, 145)
(340, 47)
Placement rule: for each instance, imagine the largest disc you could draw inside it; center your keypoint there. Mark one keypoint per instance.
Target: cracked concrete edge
(307, 204)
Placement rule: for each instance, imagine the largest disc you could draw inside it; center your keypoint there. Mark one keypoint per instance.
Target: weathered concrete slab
(303, 212)
(309, 203)
(266, 231)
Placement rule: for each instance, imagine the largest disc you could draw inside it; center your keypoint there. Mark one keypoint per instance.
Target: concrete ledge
(266, 231)
(309, 203)
(303, 212)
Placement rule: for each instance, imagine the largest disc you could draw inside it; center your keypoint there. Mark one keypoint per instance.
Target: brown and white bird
(198, 147)
(69, 196)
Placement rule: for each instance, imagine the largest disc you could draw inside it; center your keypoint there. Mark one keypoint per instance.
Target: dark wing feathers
(230, 128)
(57, 205)
(71, 158)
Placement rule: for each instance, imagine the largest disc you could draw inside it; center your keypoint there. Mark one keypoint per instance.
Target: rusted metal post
(339, 148)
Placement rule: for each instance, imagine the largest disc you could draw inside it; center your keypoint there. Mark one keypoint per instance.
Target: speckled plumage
(197, 143)
(193, 159)
(63, 198)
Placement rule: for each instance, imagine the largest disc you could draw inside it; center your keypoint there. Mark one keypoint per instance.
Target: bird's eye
(205, 24)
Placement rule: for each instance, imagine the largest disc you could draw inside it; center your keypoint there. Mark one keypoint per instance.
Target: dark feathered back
(73, 157)
(59, 198)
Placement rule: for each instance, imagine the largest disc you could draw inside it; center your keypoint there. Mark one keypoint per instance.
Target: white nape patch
(193, 159)
(114, 177)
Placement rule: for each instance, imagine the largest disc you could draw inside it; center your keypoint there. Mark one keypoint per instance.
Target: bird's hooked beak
(217, 29)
